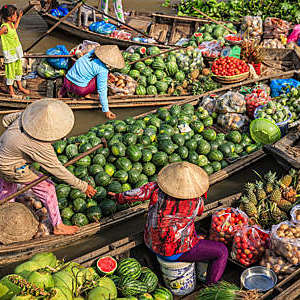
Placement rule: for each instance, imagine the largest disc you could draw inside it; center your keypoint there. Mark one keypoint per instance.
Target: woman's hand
(110, 115)
(90, 191)
(111, 194)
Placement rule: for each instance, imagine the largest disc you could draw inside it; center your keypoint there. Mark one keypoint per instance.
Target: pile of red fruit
(225, 223)
(229, 66)
(258, 96)
(233, 38)
(249, 245)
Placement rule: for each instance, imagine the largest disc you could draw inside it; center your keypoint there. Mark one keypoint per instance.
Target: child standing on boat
(12, 48)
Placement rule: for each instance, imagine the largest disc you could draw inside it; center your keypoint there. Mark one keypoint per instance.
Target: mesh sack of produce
(45, 70)
(275, 28)
(209, 103)
(277, 263)
(102, 27)
(189, 59)
(58, 63)
(272, 43)
(280, 86)
(295, 214)
(232, 121)
(225, 223)
(252, 27)
(249, 245)
(120, 84)
(285, 241)
(231, 102)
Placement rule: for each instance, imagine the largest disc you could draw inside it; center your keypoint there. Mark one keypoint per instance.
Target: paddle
(54, 26)
(29, 186)
(154, 55)
(213, 20)
(124, 24)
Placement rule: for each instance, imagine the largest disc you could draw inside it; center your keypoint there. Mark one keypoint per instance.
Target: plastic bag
(275, 28)
(285, 238)
(232, 121)
(58, 63)
(121, 35)
(59, 12)
(102, 27)
(279, 86)
(120, 84)
(253, 27)
(83, 48)
(209, 103)
(249, 245)
(45, 70)
(225, 223)
(189, 60)
(277, 263)
(233, 102)
(295, 214)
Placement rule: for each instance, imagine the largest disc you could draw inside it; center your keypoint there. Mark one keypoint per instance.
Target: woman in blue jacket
(90, 73)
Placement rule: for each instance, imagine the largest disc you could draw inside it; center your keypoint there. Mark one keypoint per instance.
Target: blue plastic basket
(283, 126)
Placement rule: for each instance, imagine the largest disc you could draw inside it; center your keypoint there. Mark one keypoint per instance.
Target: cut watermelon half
(106, 265)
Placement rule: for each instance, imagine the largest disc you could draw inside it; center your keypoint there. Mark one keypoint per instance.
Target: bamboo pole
(54, 26)
(34, 183)
(213, 20)
(124, 24)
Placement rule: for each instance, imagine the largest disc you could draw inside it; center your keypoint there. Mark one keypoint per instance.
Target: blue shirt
(84, 70)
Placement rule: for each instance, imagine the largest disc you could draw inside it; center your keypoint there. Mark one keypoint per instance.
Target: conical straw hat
(48, 120)
(183, 180)
(17, 223)
(111, 56)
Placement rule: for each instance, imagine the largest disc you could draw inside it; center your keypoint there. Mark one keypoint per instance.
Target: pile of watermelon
(46, 277)
(137, 150)
(164, 74)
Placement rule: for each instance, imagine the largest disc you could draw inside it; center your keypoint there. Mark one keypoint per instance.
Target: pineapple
(289, 194)
(260, 192)
(285, 205)
(287, 179)
(249, 188)
(249, 208)
(270, 179)
(277, 214)
(276, 194)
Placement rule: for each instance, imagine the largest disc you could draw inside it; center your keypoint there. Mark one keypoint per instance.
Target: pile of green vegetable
(164, 74)
(273, 111)
(47, 278)
(233, 10)
(137, 150)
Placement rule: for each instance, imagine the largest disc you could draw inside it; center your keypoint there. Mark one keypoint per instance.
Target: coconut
(60, 293)
(86, 274)
(41, 279)
(99, 293)
(63, 279)
(46, 259)
(110, 285)
(8, 289)
(26, 268)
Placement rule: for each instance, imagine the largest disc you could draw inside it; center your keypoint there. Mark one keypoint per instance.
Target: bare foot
(24, 91)
(62, 229)
(88, 96)
(11, 91)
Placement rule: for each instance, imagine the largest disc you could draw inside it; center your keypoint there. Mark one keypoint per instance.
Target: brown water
(32, 26)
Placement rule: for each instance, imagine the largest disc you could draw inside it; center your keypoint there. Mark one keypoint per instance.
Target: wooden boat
(287, 150)
(167, 30)
(132, 245)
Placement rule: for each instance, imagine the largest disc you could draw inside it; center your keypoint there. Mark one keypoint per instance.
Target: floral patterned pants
(118, 9)
(45, 191)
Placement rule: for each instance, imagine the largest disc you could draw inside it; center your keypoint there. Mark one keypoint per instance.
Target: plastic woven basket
(231, 79)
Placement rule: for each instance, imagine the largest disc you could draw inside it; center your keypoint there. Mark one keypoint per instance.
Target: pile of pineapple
(269, 200)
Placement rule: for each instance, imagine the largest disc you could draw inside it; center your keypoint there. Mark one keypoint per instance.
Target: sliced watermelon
(106, 265)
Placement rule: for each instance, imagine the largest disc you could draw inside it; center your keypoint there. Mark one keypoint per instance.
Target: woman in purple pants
(175, 201)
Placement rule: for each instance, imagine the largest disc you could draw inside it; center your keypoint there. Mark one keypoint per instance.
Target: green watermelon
(74, 194)
(120, 127)
(149, 169)
(175, 110)
(81, 171)
(129, 267)
(146, 155)
(80, 219)
(133, 153)
(154, 50)
(151, 79)
(134, 56)
(100, 194)
(178, 139)
(151, 90)
(183, 152)
(203, 147)
(161, 86)
(160, 159)
(142, 81)
(139, 65)
(159, 74)
(215, 155)
(62, 203)
(133, 176)
(121, 176)
(146, 71)
(84, 161)
(62, 190)
(172, 68)
(124, 163)
(84, 147)
(79, 205)
(180, 76)
(126, 69)
(162, 293)
(108, 207)
(132, 287)
(118, 149)
(59, 146)
(191, 144)
(174, 157)
(63, 159)
(94, 169)
(158, 64)
(115, 187)
(140, 90)
(135, 74)
(104, 152)
(102, 179)
(209, 134)
(148, 61)
(110, 169)
(129, 139)
(149, 278)
(166, 146)
(138, 167)
(71, 151)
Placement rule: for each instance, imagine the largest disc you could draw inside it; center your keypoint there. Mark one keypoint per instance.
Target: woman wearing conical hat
(90, 73)
(175, 201)
(28, 139)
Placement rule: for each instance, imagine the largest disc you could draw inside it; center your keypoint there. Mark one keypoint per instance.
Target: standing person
(12, 48)
(90, 73)
(118, 9)
(175, 201)
(28, 139)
